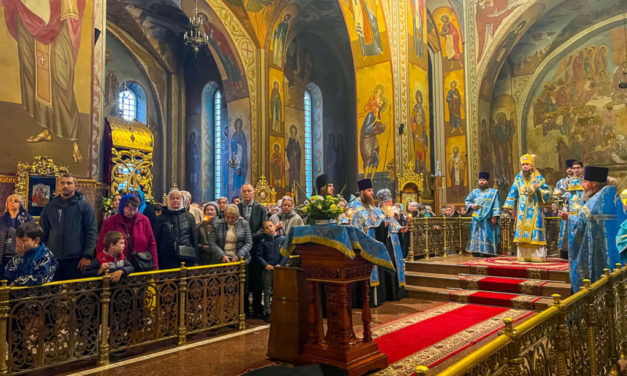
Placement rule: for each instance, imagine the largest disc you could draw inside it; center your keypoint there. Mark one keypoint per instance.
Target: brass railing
(585, 334)
(67, 321)
(441, 236)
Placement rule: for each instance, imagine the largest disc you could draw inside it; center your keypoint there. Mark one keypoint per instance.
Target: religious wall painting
(504, 136)
(375, 120)
(256, 15)
(277, 163)
(454, 111)
(575, 108)
(294, 156)
(418, 130)
(448, 28)
(489, 15)
(417, 19)
(223, 50)
(433, 37)
(192, 161)
(367, 31)
(276, 101)
(278, 39)
(486, 153)
(456, 169)
(46, 75)
(239, 145)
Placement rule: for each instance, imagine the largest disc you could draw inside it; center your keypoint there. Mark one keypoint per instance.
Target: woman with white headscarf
(175, 233)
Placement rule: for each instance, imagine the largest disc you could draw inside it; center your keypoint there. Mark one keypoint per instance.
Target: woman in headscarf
(175, 233)
(205, 256)
(14, 217)
(137, 232)
(287, 218)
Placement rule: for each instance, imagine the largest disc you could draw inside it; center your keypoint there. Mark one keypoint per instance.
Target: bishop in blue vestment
(486, 209)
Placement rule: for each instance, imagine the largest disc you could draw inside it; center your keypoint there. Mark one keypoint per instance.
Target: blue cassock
(591, 238)
(367, 220)
(484, 236)
(621, 238)
(570, 189)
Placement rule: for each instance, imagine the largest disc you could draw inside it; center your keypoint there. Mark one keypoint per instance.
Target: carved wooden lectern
(339, 347)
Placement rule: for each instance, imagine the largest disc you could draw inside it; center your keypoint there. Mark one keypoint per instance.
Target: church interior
(416, 97)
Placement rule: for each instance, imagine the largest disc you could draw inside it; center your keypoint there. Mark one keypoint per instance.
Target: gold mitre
(623, 197)
(528, 158)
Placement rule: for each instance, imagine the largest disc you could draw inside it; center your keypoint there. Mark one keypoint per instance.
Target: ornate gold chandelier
(196, 38)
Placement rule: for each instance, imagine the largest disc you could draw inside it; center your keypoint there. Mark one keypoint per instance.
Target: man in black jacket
(70, 230)
(255, 214)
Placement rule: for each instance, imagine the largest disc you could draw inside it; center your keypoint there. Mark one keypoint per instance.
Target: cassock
(592, 234)
(394, 281)
(571, 191)
(367, 220)
(529, 232)
(484, 236)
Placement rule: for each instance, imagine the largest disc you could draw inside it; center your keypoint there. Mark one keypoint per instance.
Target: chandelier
(196, 38)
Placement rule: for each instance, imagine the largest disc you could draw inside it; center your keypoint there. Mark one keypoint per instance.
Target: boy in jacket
(268, 254)
(33, 263)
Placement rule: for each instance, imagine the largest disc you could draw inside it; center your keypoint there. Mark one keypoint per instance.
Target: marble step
(454, 281)
(443, 294)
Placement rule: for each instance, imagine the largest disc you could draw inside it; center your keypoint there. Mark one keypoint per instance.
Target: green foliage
(318, 207)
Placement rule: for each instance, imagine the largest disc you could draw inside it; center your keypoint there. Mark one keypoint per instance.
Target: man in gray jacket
(70, 230)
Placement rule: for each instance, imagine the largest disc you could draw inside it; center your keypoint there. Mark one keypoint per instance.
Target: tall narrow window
(127, 102)
(217, 123)
(308, 121)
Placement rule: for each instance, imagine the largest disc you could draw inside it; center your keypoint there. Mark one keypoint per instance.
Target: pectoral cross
(42, 59)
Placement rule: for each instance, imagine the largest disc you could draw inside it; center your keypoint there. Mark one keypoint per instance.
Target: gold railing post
(461, 226)
(242, 279)
(4, 319)
(410, 256)
(426, 229)
(105, 301)
(182, 332)
(591, 313)
(622, 302)
(562, 340)
(444, 242)
(611, 319)
(421, 370)
(514, 359)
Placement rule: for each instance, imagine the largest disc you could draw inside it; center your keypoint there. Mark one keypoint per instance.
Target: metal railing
(585, 334)
(441, 236)
(67, 321)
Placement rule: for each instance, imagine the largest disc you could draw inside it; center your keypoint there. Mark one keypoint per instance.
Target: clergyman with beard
(528, 193)
(592, 231)
(486, 209)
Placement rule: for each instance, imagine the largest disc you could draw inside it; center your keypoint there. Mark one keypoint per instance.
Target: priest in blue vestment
(486, 209)
(621, 238)
(569, 191)
(528, 192)
(389, 231)
(592, 232)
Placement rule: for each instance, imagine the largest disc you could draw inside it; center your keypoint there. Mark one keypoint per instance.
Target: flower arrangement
(321, 208)
(106, 204)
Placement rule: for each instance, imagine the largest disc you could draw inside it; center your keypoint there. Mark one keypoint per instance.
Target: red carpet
(509, 266)
(494, 298)
(411, 339)
(508, 285)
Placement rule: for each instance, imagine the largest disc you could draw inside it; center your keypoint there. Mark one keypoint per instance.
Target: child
(33, 263)
(111, 257)
(269, 255)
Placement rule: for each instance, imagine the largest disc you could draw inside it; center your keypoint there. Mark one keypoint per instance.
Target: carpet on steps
(502, 284)
(430, 337)
(498, 299)
(509, 266)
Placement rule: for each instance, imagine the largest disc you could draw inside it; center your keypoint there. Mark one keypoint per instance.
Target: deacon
(486, 210)
(562, 185)
(591, 232)
(569, 191)
(530, 190)
(367, 217)
(388, 231)
(621, 238)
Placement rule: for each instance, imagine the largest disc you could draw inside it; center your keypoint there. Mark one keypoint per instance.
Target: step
(443, 294)
(437, 266)
(454, 281)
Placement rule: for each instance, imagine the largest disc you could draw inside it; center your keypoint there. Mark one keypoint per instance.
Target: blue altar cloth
(344, 239)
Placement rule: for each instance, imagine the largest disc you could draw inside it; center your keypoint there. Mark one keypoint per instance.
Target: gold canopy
(130, 134)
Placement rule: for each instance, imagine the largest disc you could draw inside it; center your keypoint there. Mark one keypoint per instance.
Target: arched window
(217, 123)
(127, 103)
(308, 122)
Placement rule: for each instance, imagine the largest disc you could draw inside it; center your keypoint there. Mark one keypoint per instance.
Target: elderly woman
(205, 255)
(175, 233)
(231, 239)
(140, 247)
(287, 217)
(14, 217)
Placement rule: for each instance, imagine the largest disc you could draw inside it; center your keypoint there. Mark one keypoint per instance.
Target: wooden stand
(339, 347)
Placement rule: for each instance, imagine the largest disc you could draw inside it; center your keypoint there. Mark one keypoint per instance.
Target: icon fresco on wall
(47, 47)
(293, 156)
(238, 160)
(277, 163)
(419, 137)
(489, 16)
(417, 17)
(371, 127)
(276, 108)
(366, 26)
(279, 35)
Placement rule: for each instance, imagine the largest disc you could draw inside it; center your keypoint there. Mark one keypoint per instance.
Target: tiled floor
(231, 353)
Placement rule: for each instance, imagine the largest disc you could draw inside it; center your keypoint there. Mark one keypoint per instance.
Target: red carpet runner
(494, 298)
(432, 336)
(510, 267)
(501, 284)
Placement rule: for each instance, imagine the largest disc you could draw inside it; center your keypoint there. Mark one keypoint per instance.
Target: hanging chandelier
(196, 38)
